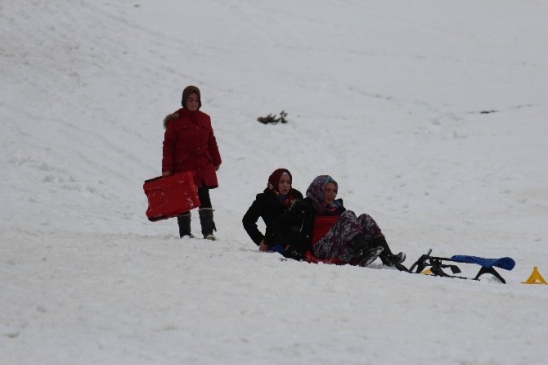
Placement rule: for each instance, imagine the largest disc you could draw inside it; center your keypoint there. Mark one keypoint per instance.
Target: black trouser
(203, 195)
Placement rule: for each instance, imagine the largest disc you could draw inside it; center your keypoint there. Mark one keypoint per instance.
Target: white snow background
(431, 115)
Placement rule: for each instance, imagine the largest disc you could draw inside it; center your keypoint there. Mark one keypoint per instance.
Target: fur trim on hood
(169, 118)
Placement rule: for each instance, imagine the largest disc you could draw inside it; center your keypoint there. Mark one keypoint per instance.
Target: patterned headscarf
(316, 192)
(274, 186)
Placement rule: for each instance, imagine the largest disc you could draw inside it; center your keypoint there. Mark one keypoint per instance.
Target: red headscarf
(274, 186)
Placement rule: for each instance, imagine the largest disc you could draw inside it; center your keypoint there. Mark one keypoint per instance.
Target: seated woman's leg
(374, 236)
(370, 228)
(335, 244)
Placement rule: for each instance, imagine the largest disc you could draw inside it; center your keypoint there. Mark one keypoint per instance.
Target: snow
(431, 115)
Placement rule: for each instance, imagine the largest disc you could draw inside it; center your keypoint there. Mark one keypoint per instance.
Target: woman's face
(284, 185)
(330, 193)
(192, 102)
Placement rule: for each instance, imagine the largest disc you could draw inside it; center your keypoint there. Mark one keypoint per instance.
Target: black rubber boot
(368, 252)
(387, 257)
(184, 225)
(208, 225)
(358, 243)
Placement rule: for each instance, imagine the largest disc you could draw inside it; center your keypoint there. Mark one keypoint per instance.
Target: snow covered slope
(431, 115)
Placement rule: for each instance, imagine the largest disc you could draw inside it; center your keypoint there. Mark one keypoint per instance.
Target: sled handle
(420, 263)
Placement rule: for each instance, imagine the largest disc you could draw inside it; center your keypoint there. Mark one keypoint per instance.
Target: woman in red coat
(190, 145)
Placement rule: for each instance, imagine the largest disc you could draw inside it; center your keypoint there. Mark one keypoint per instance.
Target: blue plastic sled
(505, 263)
(438, 264)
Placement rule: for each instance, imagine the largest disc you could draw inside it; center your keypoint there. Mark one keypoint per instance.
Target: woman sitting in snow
(331, 232)
(276, 199)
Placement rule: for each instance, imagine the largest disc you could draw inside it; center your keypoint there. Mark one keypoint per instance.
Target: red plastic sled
(169, 196)
(310, 258)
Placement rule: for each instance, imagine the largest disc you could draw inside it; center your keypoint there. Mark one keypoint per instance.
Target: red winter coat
(190, 145)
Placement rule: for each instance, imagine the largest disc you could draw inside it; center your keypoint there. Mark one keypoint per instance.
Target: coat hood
(191, 90)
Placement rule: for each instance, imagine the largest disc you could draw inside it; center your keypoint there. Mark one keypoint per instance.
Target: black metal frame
(437, 264)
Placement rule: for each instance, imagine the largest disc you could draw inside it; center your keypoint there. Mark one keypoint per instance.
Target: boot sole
(372, 256)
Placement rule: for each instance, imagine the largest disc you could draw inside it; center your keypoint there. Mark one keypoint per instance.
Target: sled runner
(436, 265)
(169, 196)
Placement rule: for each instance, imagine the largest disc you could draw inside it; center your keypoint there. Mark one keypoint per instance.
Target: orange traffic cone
(535, 278)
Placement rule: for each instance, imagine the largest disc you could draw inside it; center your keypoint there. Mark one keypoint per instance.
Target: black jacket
(297, 225)
(266, 206)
